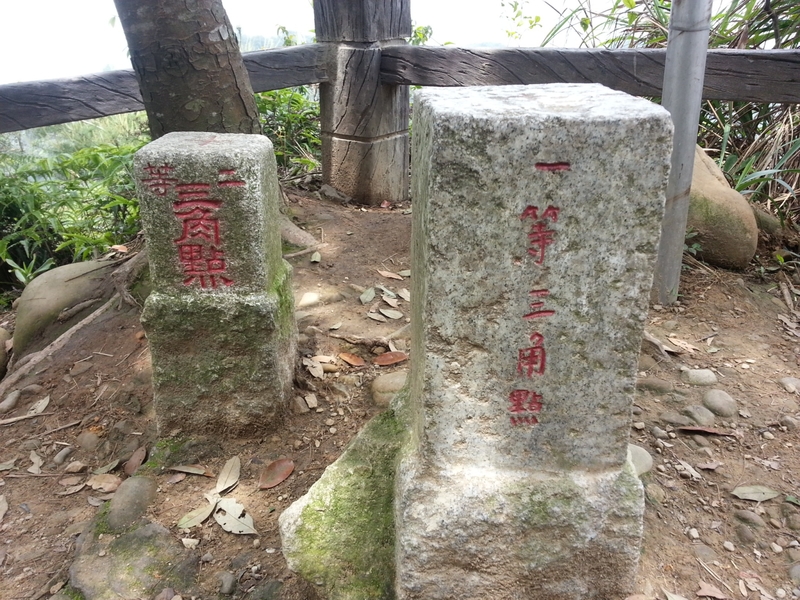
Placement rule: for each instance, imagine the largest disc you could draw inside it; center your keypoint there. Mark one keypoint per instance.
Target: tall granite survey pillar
(220, 319)
(536, 221)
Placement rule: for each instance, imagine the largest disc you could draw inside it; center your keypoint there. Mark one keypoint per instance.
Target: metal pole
(682, 96)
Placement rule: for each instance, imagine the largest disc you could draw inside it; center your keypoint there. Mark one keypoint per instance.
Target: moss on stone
(345, 538)
(71, 593)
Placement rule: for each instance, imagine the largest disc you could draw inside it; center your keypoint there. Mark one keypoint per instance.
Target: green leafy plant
(68, 207)
(290, 118)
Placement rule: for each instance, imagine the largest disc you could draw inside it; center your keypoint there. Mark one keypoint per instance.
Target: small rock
(88, 440)
(639, 425)
(124, 427)
(694, 534)
(32, 444)
(674, 418)
(34, 389)
(636, 410)
(768, 435)
(670, 325)
(702, 551)
(790, 422)
(794, 574)
(775, 548)
(700, 415)
(641, 459)
(227, 583)
(81, 368)
(793, 554)
(720, 403)
(749, 517)
(10, 402)
(654, 384)
(745, 534)
(130, 502)
(655, 493)
(386, 386)
(793, 521)
(207, 557)
(699, 377)
(775, 523)
(790, 384)
(646, 362)
(780, 593)
(62, 455)
(299, 405)
(729, 546)
(659, 433)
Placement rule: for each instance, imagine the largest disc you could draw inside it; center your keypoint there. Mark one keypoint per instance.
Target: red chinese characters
(200, 245)
(524, 405)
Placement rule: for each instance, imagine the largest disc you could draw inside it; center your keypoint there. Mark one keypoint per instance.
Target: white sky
(50, 39)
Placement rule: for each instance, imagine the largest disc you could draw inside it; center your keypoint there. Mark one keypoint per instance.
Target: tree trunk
(188, 65)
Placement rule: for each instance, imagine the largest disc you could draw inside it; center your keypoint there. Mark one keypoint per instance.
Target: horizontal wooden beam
(38, 103)
(746, 75)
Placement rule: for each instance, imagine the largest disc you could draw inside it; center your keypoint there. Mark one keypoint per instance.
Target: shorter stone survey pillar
(220, 319)
(536, 221)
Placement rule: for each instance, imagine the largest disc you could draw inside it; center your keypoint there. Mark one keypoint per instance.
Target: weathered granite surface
(220, 318)
(537, 215)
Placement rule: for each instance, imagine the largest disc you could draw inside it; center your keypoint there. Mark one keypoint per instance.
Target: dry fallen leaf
(106, 468)
(229, 476)
(352, 359)
(275, 472)
(709, 591)
(367, 296)
(75, 467)
(390, 275)
(3, 507)
(67, 481)
(322, 358)
(232, 517)
(389, 358)
(8, 465)
(37, 463)
(314, 368)
(376, 317)
(681, 344)
(392, 314)
(336, 325)
(192, 470)
(105, 482)
(198, 515)
(405, 294)
(71, 490)
(390, 301)
(119, 248)
(757, 493)
(176, 478)
(38, 407)
(135, 461)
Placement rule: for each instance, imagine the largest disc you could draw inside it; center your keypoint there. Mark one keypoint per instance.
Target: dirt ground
(99, 388)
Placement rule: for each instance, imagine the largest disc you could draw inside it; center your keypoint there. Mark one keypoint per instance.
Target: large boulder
(56, 300)
(726, 228)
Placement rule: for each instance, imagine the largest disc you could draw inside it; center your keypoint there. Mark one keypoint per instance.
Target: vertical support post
(365, 141)
(682, 97)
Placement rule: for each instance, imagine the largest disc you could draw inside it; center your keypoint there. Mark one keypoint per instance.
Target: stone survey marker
(537, 214)
(220, 318)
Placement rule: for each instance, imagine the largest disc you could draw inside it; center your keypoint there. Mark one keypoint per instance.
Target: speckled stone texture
(220, 319)
(537, 215)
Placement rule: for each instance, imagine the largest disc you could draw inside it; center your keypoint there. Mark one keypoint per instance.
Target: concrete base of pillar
(476, 533)
(222, 363)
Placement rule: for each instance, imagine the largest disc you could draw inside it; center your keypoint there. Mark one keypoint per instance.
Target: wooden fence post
(365, 142)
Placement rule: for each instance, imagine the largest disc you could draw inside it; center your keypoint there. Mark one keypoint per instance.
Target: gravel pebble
(700, 415)
(720, 403)
(699, 377)
(729, 546)
(227, 583)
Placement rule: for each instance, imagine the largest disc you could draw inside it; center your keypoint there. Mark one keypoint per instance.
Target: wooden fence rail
(744, 75)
